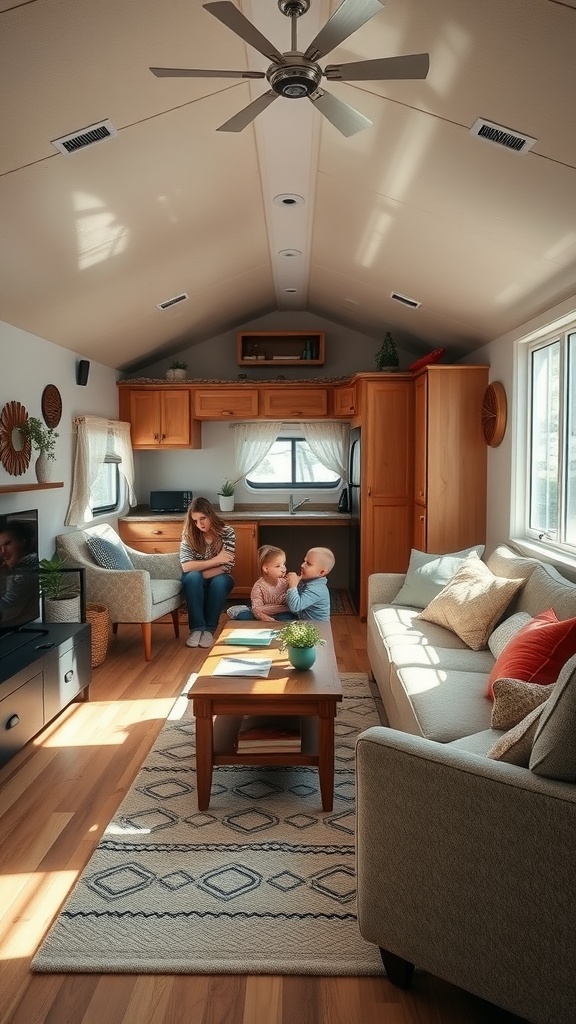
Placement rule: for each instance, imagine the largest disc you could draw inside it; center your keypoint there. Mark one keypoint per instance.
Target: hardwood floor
(56, 797)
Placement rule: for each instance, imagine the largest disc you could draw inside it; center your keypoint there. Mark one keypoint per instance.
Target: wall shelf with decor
(11, 488)
(281, 348)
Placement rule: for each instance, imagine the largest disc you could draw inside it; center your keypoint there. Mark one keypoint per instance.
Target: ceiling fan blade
(414, 65)
(347, 120)
(247, 115)
(202, 73)
(230, 16)
(351, 15)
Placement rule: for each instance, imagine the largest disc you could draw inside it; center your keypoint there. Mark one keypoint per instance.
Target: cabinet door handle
(162, 437)
(422, 518)
(420, 494)
(13, 722)
(157, 533)
(156, 438)
(296, 412)
(227, 412)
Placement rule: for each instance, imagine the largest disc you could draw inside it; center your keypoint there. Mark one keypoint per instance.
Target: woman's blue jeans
(205, 598)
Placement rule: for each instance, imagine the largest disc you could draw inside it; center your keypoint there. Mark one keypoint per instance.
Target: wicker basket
(97, 616)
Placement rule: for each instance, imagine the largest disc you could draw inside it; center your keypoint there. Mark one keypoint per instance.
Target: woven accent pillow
(538, 652)
(515, 746)
(107, 554)
(472, 602)
(554, 748)
(427, 574)
(513, 699)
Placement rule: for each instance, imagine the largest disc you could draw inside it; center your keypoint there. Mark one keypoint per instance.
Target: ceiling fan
(295, 74)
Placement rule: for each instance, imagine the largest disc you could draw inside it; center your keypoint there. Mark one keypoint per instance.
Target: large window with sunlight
(551, 471)
(291, 463)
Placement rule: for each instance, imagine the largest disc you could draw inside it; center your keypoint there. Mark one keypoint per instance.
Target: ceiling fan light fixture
(288, 199)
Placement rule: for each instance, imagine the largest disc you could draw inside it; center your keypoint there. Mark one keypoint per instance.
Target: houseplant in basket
(300, 639)
(43, 439)
(177, 370)
(226, 496)
(60, 591)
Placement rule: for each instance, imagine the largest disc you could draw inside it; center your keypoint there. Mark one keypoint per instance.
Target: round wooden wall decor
(494, 414)
(51, 405)
(15, 450)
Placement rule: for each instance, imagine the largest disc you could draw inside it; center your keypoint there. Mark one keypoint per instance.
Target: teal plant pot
(302, 657)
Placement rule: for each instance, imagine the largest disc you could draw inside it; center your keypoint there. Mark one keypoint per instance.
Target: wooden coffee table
(312, 695)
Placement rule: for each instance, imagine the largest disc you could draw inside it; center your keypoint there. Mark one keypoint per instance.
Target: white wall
(30, 363)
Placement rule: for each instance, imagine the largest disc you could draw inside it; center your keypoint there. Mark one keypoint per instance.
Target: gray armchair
(142, 594)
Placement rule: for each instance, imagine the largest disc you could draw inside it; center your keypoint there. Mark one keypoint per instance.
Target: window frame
(305, 485)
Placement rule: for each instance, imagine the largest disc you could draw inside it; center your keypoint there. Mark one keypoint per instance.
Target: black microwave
(170, 501)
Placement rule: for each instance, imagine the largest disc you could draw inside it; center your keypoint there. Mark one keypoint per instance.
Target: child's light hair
(326, 557)
(267, 553)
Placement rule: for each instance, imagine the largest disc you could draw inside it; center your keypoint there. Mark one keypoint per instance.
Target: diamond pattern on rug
(262, 882)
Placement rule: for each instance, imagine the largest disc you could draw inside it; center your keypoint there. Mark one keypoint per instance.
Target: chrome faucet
(292, 507)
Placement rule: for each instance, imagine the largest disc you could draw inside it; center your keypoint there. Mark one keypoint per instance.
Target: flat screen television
(19, 579)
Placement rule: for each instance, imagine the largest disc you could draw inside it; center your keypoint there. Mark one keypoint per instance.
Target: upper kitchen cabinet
(159, 417)
(450, 462)
(281, 348)
(296, 402)
(345, 401)
(226, 403)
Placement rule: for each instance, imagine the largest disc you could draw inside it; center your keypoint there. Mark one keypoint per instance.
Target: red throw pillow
(537, 652)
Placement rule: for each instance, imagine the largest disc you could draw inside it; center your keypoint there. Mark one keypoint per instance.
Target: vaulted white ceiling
(482, 237)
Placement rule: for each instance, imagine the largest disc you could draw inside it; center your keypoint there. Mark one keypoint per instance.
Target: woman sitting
(207, 556)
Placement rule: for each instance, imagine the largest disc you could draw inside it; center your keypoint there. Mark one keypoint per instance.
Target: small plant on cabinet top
(300, 634)
(41, 437)
(387, 356)
(227, 489)
(177, 365)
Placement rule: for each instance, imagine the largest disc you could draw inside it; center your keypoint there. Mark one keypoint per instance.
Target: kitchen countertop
(260, 514)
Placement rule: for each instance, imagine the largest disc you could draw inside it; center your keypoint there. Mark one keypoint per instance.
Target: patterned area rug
(261, 883)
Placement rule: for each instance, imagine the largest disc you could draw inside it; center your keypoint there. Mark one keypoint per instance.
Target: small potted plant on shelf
(226, 496)
(300, 639)
(43, 439)
(387, 356)
(60, 591)
(177, 370)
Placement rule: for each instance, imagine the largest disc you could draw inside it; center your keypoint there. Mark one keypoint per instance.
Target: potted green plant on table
(60, 591)
(43, 439)
(300, 640)
(387, 356)
(226, 496)
(176, 370)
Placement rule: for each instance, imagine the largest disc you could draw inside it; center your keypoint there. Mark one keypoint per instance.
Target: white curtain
(329, 442)
(252, 442)
(98, 439)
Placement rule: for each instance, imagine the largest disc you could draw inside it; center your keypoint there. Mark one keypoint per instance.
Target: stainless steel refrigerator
(354, 470)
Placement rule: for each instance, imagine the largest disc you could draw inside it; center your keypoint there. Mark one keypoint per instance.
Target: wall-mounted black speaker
(82, 371)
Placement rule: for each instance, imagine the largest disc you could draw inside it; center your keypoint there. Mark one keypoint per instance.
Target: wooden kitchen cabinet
(281, 348)
(387, 420)
(294, 403)
(450, 458)
(345, 402)
(225, 403)
(245, 571)
(159, 417)
(156, 537)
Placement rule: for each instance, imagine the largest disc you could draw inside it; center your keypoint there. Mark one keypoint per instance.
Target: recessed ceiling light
(288, 199)
(289, 252)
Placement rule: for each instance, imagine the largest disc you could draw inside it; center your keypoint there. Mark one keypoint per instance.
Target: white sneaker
(194, 638)
(206, 640)
(235, 610)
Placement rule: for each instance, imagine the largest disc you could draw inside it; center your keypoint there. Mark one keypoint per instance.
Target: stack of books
(269, 735)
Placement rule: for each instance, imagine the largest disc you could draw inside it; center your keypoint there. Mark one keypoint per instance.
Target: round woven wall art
(494, 414)
(51, 405)
(15, 450)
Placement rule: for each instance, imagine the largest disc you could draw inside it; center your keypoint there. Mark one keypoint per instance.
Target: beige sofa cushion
(427, 574)
(472, 602)
(554, 750)
(515, 746)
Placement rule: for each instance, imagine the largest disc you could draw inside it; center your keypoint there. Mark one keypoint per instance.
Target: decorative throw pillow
(107, 554)
(515, 746)
(427, 574)
(472, 602)
(513, 699)
(554, 748)
(538, 652)
(506, 631)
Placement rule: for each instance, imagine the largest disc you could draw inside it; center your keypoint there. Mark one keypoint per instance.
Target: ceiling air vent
(171, 302)
(501, 136)
(69, 144)
(413, 303)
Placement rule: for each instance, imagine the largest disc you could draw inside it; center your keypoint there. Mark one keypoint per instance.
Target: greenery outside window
(290, 463)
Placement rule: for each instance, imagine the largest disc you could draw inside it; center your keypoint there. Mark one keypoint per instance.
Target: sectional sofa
(466, 811)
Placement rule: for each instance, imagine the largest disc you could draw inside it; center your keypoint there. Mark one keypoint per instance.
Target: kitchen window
(291, 463)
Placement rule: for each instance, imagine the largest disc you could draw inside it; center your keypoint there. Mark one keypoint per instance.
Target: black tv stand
(11, 642)
(51, 668)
